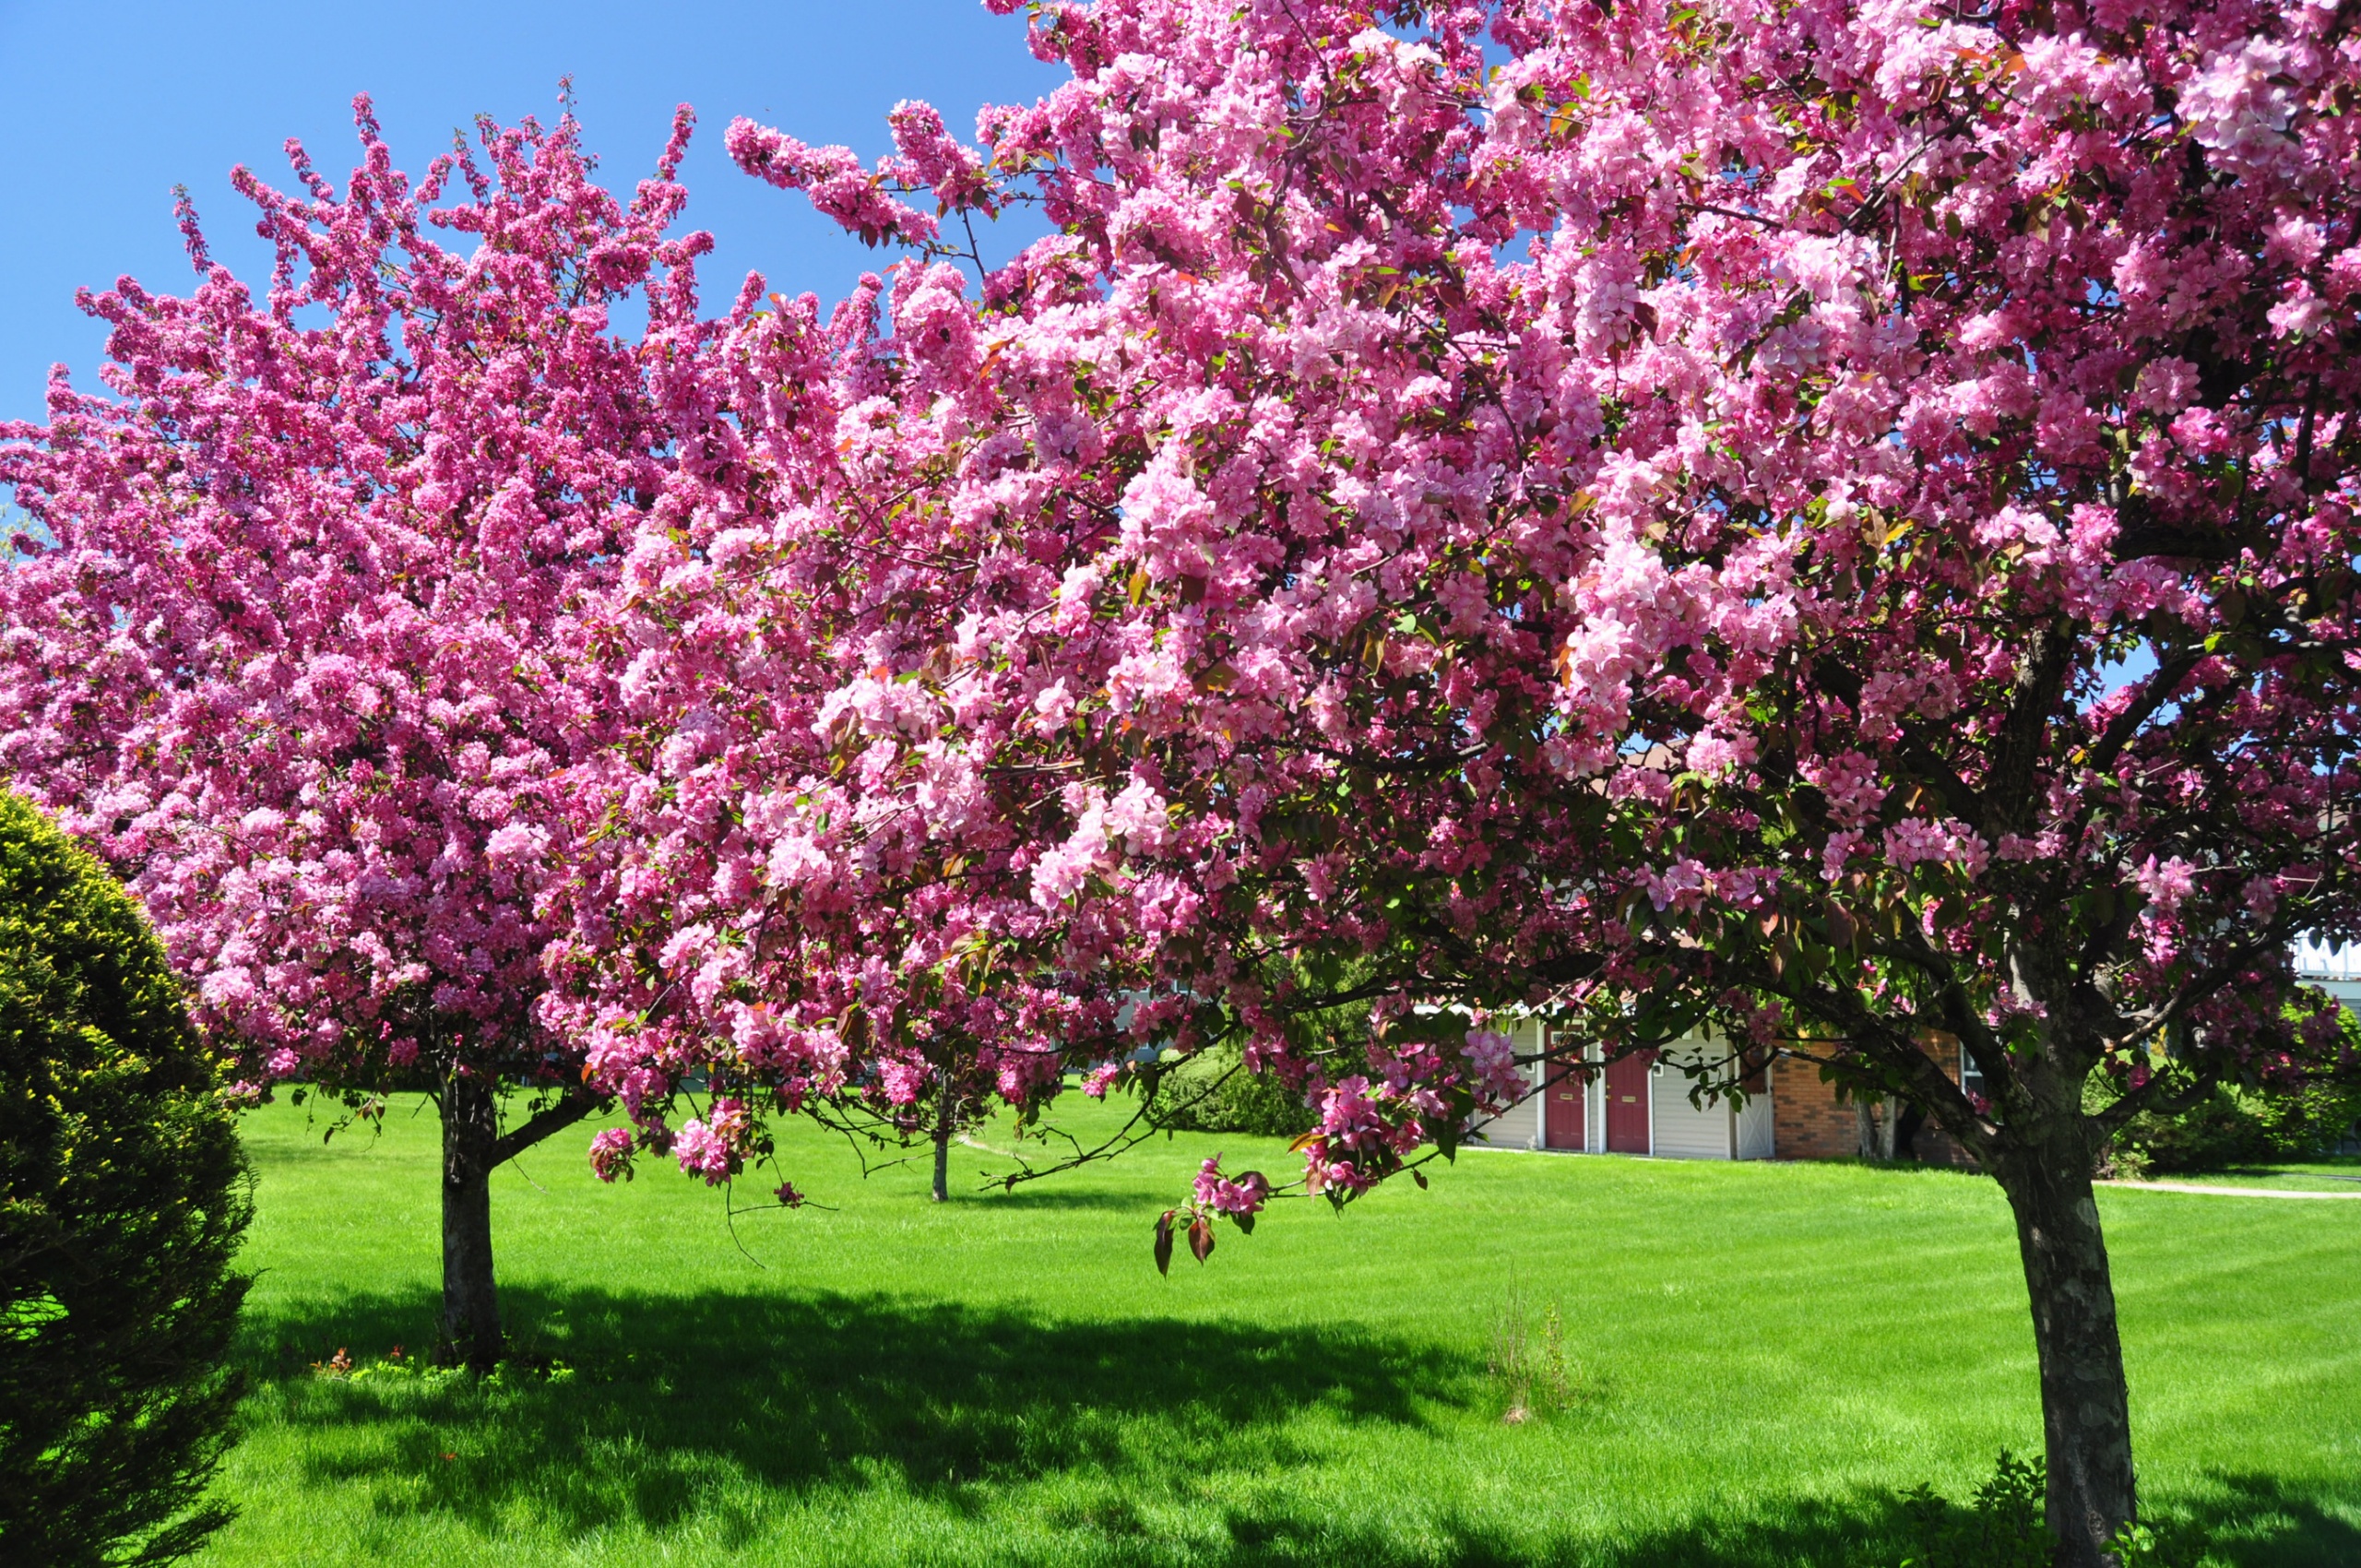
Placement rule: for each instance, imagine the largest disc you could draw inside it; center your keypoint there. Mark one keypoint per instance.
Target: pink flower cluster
(1217, 1194)
(1504, 511)
(714, 1146)
(1552, 515)
(610, 1152)
(301, 653)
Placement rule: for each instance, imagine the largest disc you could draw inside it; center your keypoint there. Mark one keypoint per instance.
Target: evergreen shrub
(123, 1197)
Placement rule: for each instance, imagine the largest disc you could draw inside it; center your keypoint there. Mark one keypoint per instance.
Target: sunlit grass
(1757, 1357)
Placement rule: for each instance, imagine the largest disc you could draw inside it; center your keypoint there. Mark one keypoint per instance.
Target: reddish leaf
(1164, 1243)
(1201, 1237)
(1420, 1178)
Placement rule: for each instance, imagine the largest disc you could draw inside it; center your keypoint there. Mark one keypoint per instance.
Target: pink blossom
(2260, 897)
(832, 177)
(2234, 104)
(701, 1151)
(1492, 1055)
(2167, 885)
(610, 1152)
(311, 664)
(1221, 1194)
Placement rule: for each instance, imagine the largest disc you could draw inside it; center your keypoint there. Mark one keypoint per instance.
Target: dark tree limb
(576, 1105)
(2149, 1097)
(2016, 753)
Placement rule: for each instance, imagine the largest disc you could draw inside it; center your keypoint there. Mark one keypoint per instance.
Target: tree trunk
(2085, 1405)
(470, 1330)
(943, 1124)
(1905, 1131)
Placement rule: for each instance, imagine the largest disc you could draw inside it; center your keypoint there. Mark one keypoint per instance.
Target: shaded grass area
(1761, 1359)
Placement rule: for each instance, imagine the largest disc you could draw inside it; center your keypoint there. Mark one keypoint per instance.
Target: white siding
(1595, 1109)
(1684, 1131)
(1679, 1130)
(1754, 1138)
(1526, 1117)
(2336, 971)
(1520, 1125)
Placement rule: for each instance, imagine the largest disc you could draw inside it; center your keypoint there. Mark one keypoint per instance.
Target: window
(1971, 1077)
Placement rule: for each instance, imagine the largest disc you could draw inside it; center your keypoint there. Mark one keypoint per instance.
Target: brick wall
(1809, 1122)
(1806, 1120)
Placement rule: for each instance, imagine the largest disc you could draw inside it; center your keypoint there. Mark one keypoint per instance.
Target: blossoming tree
(1831, 521)
(297, 649)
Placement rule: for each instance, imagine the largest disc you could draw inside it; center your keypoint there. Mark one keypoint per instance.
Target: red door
(1561, 1111)
(1627, 1103)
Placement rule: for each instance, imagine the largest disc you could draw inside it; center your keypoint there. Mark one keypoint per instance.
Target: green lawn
(1758, 1357)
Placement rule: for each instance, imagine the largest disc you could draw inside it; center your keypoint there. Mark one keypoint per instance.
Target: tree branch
(576, 1105)
(2016, 756)
(2149, 1096)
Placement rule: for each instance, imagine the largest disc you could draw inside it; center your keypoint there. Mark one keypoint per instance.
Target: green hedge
(123, 1197)
(1214, 1093)
(2241, 1127)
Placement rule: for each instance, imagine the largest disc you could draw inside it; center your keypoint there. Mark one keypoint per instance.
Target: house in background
(2336, 971)
(1640, 1105)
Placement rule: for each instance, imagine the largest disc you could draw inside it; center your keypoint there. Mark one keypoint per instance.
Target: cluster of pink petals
(1506, 507)
(712, 1146)
(610, 1152)
(1217, 1194)
(297, 644)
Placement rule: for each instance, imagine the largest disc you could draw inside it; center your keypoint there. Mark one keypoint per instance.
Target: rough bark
(474, 1147)
(2045, 1168)
(1873, 1119)
(2041, 1148)
(944, 1126)
(470, 1329)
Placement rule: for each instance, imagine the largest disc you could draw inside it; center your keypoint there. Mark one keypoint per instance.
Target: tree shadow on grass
(662, 1396)
(1858, 1533)
(2251, 1522)
(2256, 1521)
(671, 1406)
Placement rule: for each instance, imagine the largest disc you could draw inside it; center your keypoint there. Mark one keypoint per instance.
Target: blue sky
(107, 108)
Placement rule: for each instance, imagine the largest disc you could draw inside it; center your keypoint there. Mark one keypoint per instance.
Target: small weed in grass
(1531, 1370)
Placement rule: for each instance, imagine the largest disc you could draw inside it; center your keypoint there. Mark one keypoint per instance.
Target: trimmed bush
(123, 1196)
(2240, 1126)
(1214, 1093)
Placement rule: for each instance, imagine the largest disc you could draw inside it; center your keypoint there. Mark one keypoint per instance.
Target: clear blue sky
(106, 107)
